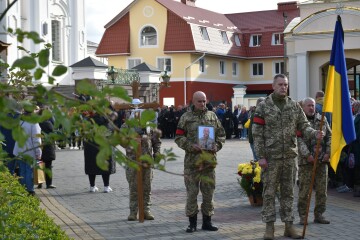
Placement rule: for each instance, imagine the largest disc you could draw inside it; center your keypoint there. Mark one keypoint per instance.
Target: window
(222, 68)
(164, 64)
(202, 65)
(257, 69)
(204, 33)
(234, 68)
(237, 40)
(148, 36)
(224, 37)
(279, 67)
(133, 62)
(276, 39)
(56, 40)
(255, 41)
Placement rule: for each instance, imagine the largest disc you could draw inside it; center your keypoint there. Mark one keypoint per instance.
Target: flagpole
(318, 142)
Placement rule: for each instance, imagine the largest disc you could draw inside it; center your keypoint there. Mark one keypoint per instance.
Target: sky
(100, 12)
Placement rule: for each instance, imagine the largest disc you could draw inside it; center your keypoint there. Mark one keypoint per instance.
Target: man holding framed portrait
(201, 135)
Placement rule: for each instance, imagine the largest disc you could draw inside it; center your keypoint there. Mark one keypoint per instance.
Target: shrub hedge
(21, 216)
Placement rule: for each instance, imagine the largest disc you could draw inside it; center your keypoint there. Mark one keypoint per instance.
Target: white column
(292, 70)
(239, 93)
(302, 78)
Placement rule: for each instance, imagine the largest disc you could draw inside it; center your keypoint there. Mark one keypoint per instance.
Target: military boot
(290, 231)
(269, 232)
(132, 216)
(319, 218)
(207, 224)
(148, 215)
(193, 224)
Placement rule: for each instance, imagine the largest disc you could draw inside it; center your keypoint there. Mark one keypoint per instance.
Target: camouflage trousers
(131, 177)
(279, 176)
(320, 184)
(205, 182)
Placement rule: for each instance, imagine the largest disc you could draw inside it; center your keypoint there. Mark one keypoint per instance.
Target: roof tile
(116, 39)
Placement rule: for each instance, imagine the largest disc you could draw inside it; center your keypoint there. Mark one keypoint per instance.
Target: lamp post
(112, 74)
(164, 79)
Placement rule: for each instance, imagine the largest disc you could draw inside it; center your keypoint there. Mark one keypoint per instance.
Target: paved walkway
(85, 215)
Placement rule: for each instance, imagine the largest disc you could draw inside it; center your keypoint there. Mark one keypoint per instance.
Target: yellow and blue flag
(337, 98)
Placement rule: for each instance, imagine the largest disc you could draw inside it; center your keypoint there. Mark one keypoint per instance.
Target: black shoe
(31, 193)
(193, 222)
(207, 224)
(50, 187)
(39, 185)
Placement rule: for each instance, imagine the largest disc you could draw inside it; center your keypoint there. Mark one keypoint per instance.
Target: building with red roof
(201, 49)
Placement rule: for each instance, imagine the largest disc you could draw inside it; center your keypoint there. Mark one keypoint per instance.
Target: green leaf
(25, 63)
(146, 158)
(121, 92)
(147, 116)
(38, 73)
(44, 57)
(85, 87)
(51, 80)
(59, 70)
(19, 135)
(35, 37)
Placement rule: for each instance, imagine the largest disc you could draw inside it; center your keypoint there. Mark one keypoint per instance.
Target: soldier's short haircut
(279, 76)
(319, 94)
(307, 99)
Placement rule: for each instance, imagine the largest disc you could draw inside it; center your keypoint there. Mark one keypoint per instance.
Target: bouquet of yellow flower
(250, 178)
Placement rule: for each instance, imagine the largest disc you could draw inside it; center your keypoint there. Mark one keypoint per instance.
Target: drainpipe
(186, 68)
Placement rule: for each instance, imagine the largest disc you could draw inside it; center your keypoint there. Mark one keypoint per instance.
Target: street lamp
(112, 74)
(164, 79)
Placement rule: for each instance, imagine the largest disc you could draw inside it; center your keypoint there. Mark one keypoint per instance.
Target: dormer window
(148, 36)
(224, 37)
(237, 39)
(204, 33)
(255, 40)
(276, 39)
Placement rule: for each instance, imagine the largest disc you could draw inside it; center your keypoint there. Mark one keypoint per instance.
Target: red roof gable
(178, 34)
(116, 39)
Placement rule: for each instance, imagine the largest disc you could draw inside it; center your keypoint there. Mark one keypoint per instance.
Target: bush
(20, 214)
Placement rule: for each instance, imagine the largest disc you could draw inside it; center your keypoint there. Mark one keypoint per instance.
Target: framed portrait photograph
(206, 137)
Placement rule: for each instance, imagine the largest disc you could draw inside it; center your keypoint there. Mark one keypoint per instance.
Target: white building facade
(309, 42)
(58, 22)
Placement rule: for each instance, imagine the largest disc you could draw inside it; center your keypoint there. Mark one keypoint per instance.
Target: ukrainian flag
(337, 98)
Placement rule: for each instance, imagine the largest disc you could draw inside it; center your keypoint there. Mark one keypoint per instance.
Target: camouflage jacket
(150, 143)
(274, 131)
(187, 133)
(307, 146)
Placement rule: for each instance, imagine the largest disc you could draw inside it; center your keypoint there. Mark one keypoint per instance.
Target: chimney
(189, 2)
(286, 6)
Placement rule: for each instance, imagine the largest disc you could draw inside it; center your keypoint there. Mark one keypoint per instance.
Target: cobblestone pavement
(85, 215)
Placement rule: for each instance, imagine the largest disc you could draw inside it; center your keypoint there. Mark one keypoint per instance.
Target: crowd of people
(283, 136)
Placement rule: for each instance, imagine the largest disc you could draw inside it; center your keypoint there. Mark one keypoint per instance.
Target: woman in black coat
(91, 149)
(48, 152)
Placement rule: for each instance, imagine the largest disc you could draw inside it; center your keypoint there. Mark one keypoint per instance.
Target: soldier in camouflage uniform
(150, 144)
(274, 128)
(199, 163)
(307, 148)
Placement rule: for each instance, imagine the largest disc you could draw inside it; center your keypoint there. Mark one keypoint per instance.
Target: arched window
(148, 36)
